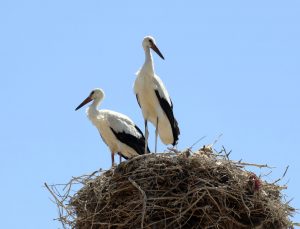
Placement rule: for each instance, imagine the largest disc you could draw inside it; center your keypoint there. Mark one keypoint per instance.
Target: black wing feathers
(143, 138)
(168, 109)
(138, 144)
(137, 98)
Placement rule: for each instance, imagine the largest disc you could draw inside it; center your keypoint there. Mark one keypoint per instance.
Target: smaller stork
(117, 131)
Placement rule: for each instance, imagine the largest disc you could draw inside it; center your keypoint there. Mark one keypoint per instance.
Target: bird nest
(202, 189)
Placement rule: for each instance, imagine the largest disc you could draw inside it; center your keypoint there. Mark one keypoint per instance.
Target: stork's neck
(93, 111)
(148, 65)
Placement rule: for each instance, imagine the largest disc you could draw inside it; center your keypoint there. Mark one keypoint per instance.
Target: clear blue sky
(231, 67)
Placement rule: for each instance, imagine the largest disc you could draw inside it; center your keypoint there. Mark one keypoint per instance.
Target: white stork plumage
(154, 99)
(117, 130)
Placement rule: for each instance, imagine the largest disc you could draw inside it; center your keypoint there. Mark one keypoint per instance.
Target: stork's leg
(112, 159)
(156, 133)
(146, 136)
(120, 158)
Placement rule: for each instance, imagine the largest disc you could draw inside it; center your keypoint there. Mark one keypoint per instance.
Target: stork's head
(149, 42)
(96, 94)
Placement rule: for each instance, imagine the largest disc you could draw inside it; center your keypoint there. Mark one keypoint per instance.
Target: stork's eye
(92, 93)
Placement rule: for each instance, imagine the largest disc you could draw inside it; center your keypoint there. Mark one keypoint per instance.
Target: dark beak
(87, 100)
(155, 49)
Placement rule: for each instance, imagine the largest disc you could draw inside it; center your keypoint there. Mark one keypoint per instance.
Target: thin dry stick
(57, 200)
(188, 209)
(252, 164)
(286, 169)
(144, 199)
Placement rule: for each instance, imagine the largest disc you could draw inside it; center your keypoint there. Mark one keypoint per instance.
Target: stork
(154, 100)
(117, 130)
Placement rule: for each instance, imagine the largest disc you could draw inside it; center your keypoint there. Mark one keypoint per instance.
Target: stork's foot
(173, 149)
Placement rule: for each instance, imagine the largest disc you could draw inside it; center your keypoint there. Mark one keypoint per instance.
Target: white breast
(145, 86)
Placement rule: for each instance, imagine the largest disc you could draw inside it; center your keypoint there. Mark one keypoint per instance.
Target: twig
(286, 169)
(144, 200)
(57, 200)
(252, 164)
(189, 208)
(200, 139)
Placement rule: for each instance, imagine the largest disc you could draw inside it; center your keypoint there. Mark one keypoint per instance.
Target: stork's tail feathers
(176, 132)
(142, 142)
(136, 143)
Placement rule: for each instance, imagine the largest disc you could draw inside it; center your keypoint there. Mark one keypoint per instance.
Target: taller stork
(154, 99)
(118, 131)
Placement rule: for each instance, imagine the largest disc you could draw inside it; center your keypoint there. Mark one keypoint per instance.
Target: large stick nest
(174, 190)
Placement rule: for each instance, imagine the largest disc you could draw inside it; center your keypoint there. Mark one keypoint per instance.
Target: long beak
(87, 100)
(154, 47)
